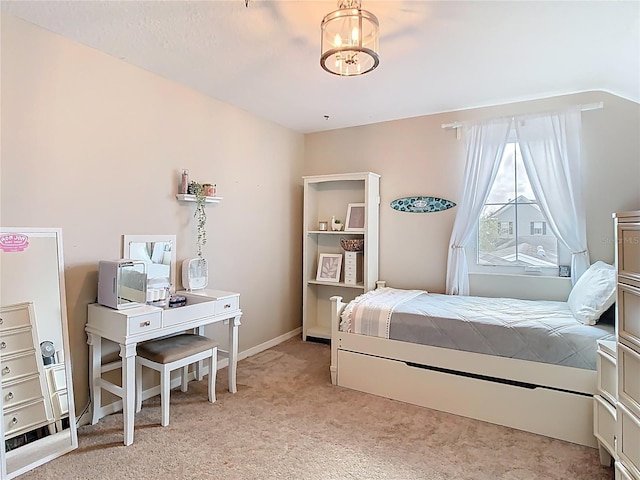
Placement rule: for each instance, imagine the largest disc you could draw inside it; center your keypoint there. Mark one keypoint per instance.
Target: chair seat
(171, 353)
(170, 349)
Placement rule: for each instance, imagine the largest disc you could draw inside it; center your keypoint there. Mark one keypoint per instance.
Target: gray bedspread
(540, 331)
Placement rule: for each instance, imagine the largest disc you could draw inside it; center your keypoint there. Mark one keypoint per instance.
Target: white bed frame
(556, 402)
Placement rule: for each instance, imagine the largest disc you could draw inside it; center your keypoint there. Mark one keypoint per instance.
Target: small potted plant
(336, 225)
(200, 215)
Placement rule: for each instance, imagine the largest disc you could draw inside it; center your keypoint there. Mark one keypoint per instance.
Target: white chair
(167, 354)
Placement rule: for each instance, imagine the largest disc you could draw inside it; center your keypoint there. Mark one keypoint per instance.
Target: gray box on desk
(122, 283)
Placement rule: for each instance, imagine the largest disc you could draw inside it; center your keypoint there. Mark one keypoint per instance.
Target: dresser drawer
(628, 305)
(22, 419)
(628, 440)
(607, 374)
(13, 317)
(144, 323)
(61, 400)
(629, 250)
(16, 340)
(18, 366)
(604, 423)
(628, 378)
(23, 391)
(621, 472)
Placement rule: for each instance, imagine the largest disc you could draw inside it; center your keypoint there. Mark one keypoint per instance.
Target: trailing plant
(200, 215)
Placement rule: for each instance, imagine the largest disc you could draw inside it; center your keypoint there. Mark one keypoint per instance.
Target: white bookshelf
(326, 196)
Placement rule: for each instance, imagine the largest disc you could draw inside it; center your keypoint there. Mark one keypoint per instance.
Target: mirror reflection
(157, 253)
(37, 399)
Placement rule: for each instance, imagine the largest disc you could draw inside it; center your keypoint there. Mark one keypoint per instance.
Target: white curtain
(485, 145)
(551, 152)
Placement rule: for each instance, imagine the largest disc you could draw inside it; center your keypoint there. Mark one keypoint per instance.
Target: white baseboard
(222, 363)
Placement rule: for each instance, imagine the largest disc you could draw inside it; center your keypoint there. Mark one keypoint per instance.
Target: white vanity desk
(129, 326)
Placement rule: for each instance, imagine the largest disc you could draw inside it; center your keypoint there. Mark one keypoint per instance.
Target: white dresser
(25, 405)
(627, 438)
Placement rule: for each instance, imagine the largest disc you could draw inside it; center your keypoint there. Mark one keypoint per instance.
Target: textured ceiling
(435, 56)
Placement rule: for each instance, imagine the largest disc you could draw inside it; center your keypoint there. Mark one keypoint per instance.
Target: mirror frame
(31, 449)
(128, 239)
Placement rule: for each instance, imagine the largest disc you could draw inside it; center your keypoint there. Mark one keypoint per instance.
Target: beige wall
(417, 157)
(94, 145)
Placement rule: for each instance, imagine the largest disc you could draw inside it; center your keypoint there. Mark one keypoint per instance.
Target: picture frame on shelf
(355, 218)
(329, 267)
(564, 270)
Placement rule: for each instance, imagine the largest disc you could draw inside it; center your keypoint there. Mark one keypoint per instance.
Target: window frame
(473, 250)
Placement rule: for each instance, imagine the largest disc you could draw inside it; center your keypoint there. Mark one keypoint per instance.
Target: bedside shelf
(185, 197)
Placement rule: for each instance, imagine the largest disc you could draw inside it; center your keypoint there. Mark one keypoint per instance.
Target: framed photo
(329, 266)
(355, 218)
(564, 270)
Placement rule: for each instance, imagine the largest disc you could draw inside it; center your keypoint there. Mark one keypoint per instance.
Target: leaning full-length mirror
(35, 362)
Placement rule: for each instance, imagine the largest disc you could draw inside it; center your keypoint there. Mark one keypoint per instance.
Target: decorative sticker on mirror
(13, 242)
(421, 204)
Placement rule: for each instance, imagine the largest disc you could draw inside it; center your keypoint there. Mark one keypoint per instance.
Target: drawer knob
(10, 396)
(6, 370)
(145, 324)
(14, 420)
(1, 320)
(228, 305)
(3, 345)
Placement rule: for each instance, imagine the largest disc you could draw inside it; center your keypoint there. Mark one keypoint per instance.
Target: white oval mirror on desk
(37, 403)
(158, 254)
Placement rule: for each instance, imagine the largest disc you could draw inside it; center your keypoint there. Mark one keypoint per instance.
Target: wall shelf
(185, 197)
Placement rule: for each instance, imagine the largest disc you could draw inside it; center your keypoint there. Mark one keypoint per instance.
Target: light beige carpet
(288, 422)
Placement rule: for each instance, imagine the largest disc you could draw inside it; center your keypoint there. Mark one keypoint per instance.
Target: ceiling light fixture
(349, 40)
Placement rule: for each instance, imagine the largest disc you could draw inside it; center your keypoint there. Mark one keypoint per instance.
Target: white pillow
(593, 293)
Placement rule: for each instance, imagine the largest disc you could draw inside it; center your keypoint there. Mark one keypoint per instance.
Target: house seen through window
(512, 230)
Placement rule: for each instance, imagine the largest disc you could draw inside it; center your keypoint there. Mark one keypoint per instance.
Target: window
(538, 228)
(512, 231)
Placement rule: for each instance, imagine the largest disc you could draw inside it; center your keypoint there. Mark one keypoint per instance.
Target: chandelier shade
(349, 42)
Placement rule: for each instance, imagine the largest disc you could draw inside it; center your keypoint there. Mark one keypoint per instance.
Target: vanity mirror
(158, 254)
(37, 402)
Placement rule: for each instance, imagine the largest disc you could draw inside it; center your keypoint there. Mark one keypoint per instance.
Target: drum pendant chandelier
(349, 41)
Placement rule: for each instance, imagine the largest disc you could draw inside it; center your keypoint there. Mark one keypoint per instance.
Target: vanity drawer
(12, 317)
(228, 304)
(22, 419)
(18, 366)
(628, 305)
(196, 307)
(16, 340)
(14, 393)
(604, 423)
(628, 440)
(628, 378)
(607, 374)
(144, 323)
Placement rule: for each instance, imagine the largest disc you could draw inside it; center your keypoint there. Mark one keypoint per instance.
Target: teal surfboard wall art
(421, 204)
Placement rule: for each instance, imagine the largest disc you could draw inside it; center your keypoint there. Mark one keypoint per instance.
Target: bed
(529, 365)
